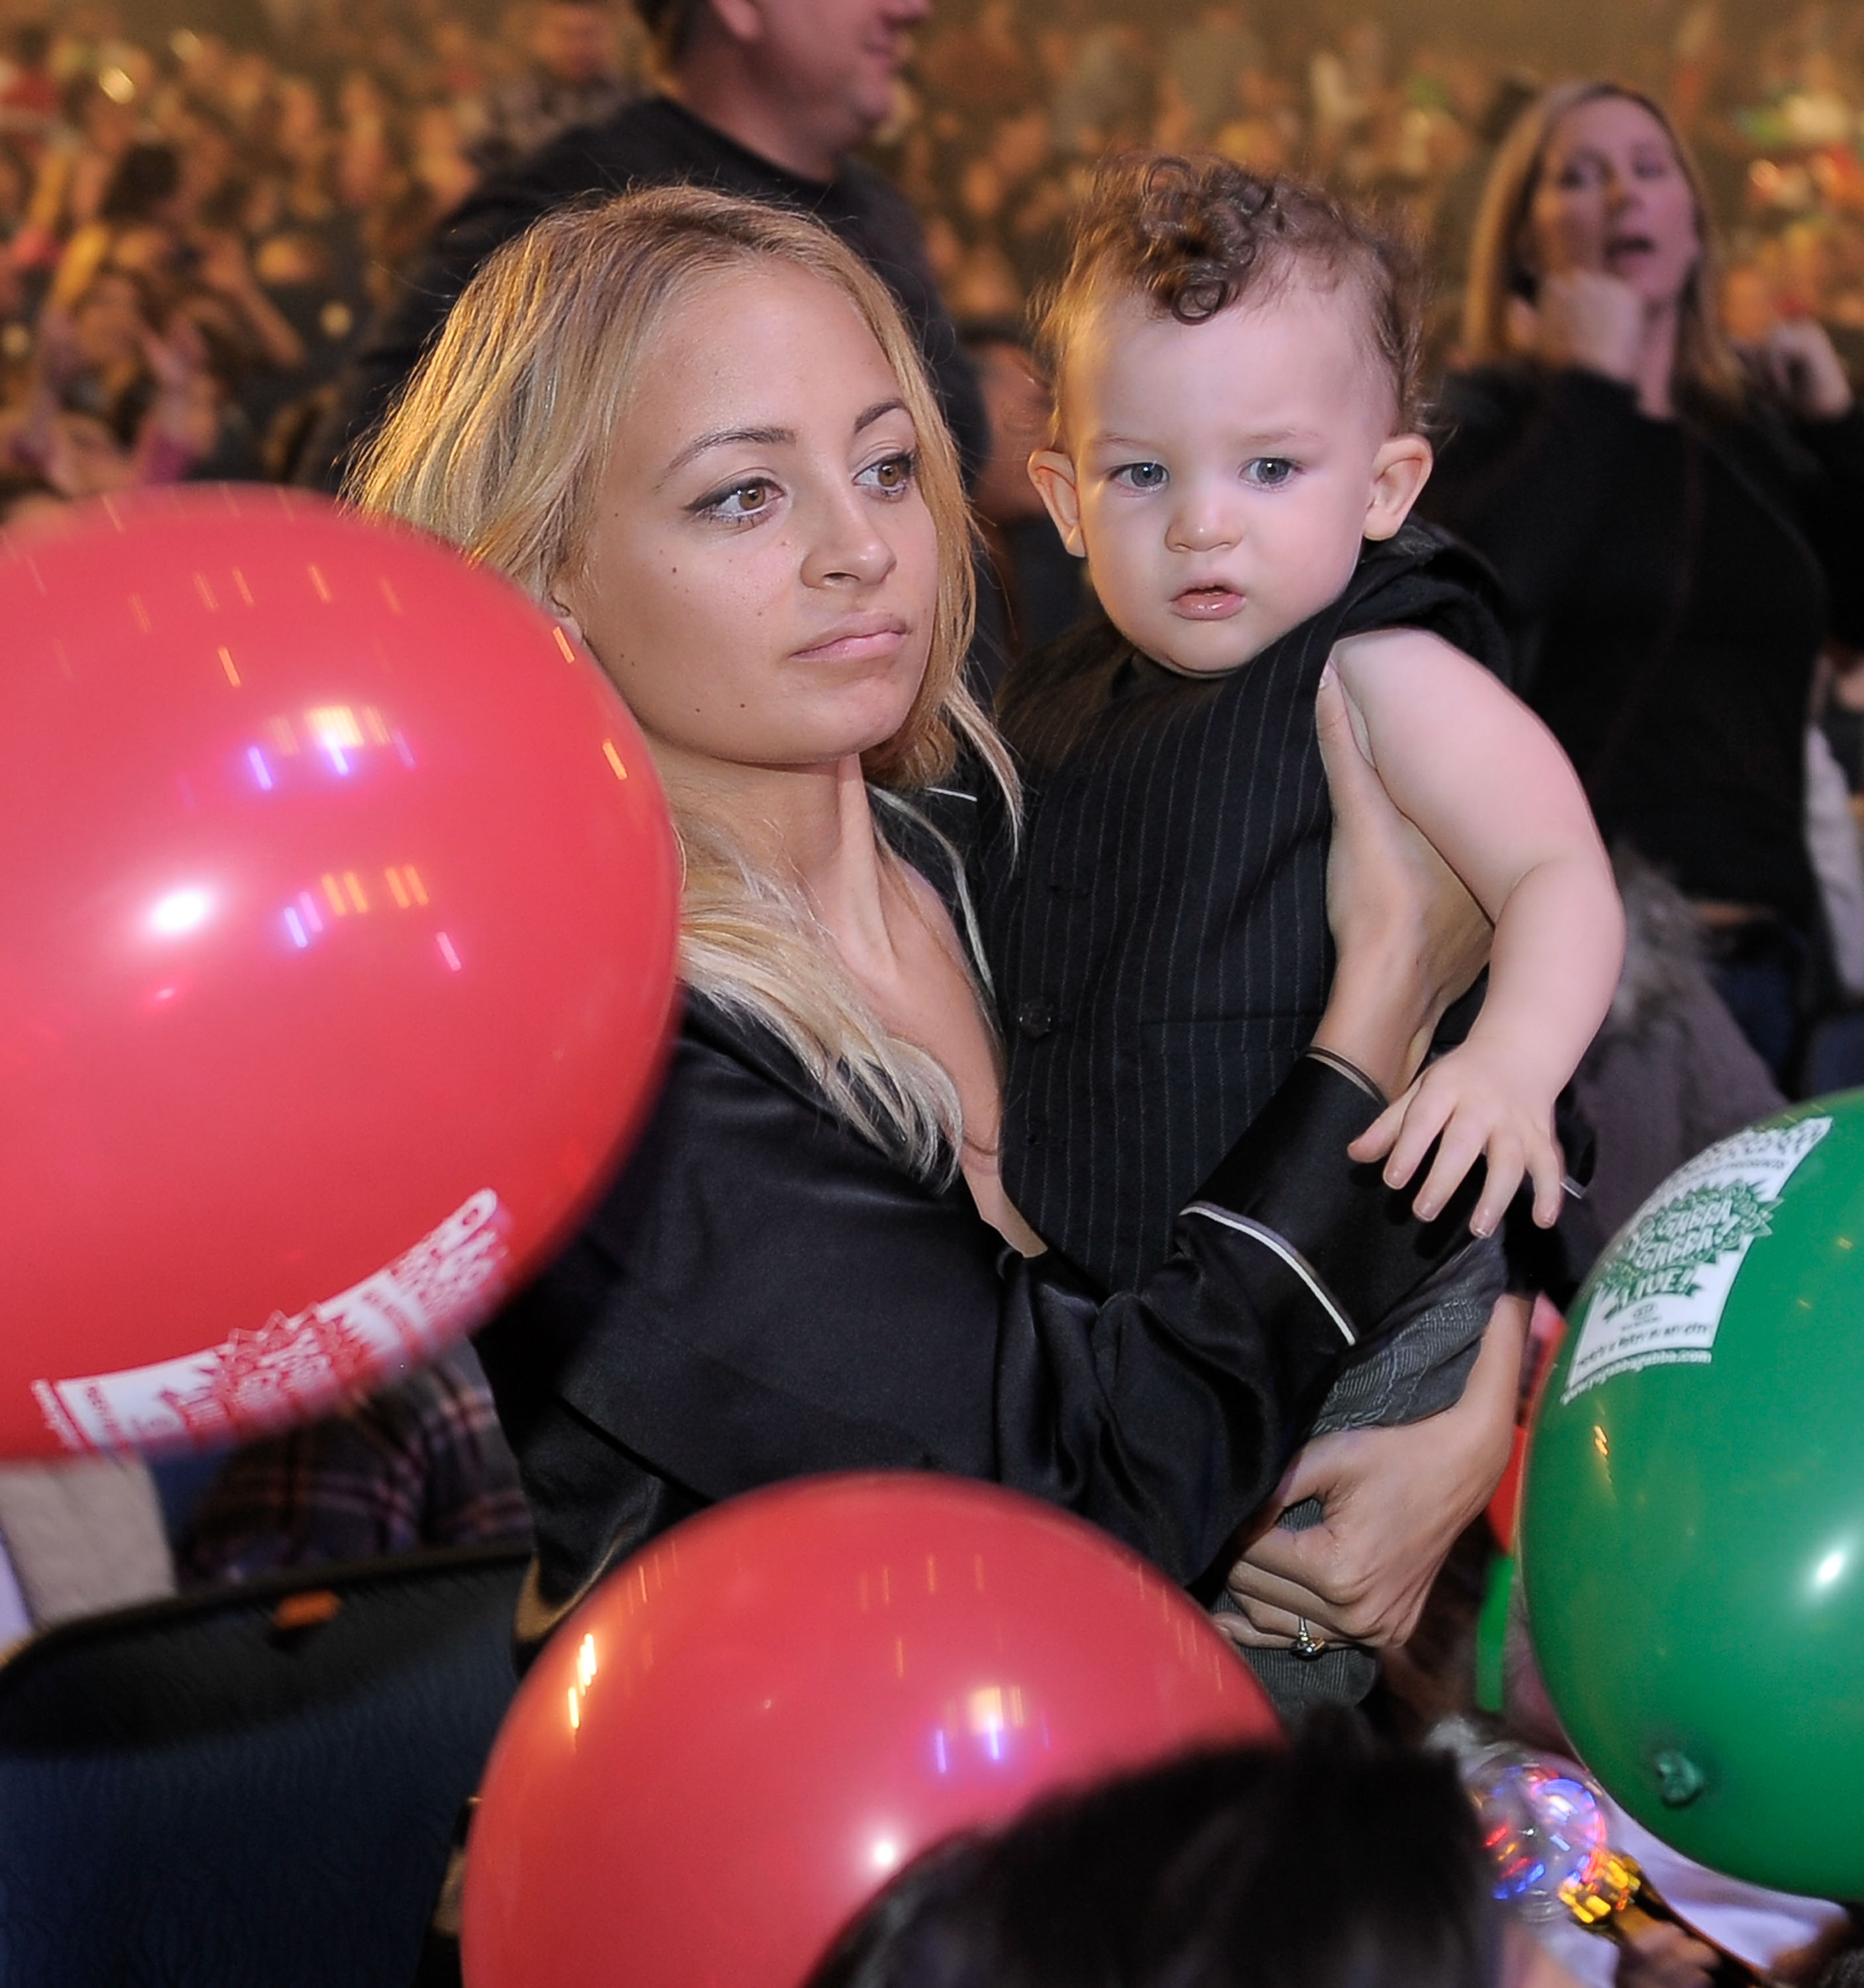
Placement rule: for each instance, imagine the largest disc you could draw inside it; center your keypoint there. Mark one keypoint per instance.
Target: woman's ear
(1053, 474)
(1399, 472)
(742, 20)
(564, 614)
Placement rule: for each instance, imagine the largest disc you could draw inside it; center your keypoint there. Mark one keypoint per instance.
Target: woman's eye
(1142, 475)
(892, 476)
(1268, 472)
(751, 499)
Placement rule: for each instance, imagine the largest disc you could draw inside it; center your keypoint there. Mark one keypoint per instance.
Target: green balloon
(1692, 1528)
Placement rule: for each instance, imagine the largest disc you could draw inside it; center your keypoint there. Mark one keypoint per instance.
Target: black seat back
(251, 1789)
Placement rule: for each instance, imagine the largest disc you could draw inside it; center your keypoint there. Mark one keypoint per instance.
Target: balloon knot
(1679, 1780)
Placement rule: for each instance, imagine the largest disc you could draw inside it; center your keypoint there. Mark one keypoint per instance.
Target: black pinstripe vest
(1161, 955)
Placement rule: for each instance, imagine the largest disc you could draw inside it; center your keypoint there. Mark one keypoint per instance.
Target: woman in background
(1677, 526)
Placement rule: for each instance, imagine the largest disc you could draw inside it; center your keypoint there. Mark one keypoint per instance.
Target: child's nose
(1203, 524)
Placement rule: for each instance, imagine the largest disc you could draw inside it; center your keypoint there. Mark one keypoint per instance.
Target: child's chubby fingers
(1463, 1143)
(1428, 1113)
(1547, 1168)
(1382, 1135)
(1507, 1163)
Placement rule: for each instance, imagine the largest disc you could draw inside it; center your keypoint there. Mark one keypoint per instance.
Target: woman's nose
(847, 547)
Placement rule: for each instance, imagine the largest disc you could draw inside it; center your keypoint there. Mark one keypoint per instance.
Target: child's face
(1218, 477)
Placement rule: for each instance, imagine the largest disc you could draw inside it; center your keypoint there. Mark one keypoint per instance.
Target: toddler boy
(1234, 362)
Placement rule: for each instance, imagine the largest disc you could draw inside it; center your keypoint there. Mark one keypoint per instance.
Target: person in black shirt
(572, 78)
(764, 101)
(1677, 530)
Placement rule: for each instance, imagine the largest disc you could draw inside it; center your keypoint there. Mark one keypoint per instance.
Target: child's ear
(1399, 472)
(1053, 474)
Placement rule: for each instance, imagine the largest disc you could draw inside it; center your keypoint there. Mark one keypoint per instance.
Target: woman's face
(1612, 198)
(761, 573)
(107, 324)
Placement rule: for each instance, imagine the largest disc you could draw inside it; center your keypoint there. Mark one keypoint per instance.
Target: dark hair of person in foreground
(1332, 1863)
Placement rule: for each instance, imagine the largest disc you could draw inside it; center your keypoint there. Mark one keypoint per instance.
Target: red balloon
(335, 962)
(746, 1729)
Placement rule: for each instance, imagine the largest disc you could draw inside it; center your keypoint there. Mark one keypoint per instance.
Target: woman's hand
(226, 272)
(1582, 317)
(1655, 1954)
(1395, 1501)
(1801, 365)
(1410, 937)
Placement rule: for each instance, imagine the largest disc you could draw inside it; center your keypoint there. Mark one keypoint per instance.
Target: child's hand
(1473, 1097)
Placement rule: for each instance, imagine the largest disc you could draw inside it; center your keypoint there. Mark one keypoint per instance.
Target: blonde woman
(1677, 524)
(698, 430)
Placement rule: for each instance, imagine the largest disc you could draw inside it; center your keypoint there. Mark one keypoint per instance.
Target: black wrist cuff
(1355, 1239)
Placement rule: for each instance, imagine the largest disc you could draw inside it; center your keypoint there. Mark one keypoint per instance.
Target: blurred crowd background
(201, 208)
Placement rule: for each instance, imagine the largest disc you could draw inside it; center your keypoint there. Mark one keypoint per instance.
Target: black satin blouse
(763, 1294)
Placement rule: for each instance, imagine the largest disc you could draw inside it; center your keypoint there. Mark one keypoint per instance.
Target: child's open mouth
(1207, 603)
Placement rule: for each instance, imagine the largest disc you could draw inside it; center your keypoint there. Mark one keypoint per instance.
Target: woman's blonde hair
(500, 443)
(1706, 361)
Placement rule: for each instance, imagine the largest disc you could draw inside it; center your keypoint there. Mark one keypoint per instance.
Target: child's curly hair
(1193, 235)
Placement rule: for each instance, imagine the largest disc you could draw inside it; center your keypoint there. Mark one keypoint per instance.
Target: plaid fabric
(424, 1463)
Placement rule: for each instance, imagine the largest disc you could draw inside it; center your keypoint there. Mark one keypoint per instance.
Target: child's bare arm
(1485, 782)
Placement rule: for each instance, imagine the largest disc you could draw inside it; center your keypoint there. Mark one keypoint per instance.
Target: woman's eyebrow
(768, 438)
(869, 416)
(725, 438)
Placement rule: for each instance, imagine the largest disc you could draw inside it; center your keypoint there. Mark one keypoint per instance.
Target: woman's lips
(1208, 603)
(864, 638)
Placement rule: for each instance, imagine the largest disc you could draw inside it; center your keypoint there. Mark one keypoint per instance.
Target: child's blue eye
(1142, 475)
(1268, 472)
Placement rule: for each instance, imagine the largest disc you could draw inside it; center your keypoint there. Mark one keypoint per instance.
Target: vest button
(1036, 1018)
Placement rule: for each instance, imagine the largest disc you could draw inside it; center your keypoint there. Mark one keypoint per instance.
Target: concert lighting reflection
(181, 912)
(585, 1667)
(987, 1725)
(338, 737)
(351, 894)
